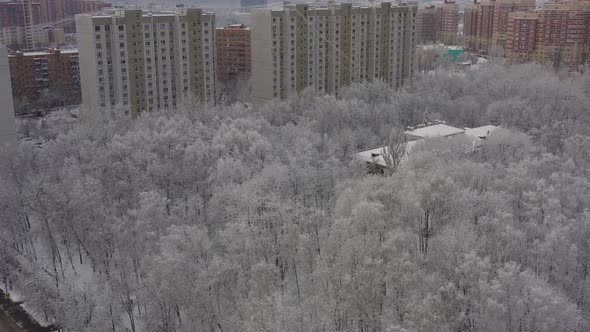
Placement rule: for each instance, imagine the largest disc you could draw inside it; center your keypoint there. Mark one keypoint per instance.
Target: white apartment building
(325, 48)
(146, 61)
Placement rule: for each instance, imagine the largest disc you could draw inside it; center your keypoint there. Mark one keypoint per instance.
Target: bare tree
(394, 148)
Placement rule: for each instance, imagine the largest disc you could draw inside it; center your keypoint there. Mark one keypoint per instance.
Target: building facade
(438, 24)
(486, 24)
(20, 25)
(36, 75)
(234, 52)
(7, 125)
(448, 25)
(19, 38)
(426, 25)
(147, 61)
(12, 13)
(60, 13)
(478, 25)
(558, 35)
(326, 48)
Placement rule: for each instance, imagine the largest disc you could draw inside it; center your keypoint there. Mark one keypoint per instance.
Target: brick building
(426, 22)
(448, 22)
(12, 14)
(523, 26)
(38, 75)
(486, 24)
(438, 24)
(34, 24)
(16, 21)
(62, 12)
(558, 35)
(478, 25)
(234, 52)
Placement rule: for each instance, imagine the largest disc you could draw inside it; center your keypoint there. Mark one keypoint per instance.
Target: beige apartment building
(146, 61)
(22, 38)
(325, 48)
(7, 124)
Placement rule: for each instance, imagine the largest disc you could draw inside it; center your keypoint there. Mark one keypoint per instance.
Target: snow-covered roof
(35, 53)
(437, 130)
(439, 46)
(375, 155)
(480, 132)
(46, 52)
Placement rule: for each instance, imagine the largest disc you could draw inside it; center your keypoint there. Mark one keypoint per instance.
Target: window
(97, 28)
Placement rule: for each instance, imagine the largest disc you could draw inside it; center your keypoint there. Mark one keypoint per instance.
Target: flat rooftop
(39, 53)
(437, 130)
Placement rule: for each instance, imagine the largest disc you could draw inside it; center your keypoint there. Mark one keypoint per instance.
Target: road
(6, 324)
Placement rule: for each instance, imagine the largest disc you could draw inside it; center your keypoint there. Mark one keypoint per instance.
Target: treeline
(241, 218)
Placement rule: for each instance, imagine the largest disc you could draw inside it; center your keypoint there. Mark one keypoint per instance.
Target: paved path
(6, 324)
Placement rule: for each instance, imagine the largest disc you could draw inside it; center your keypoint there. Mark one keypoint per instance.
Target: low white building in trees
(378, 158)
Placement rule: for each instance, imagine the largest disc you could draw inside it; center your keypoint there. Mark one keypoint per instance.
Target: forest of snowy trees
(241, 218)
